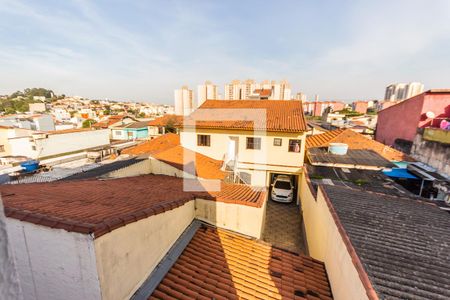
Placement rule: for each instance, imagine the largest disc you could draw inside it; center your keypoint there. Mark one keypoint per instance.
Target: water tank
(338, 148)
(30, 165)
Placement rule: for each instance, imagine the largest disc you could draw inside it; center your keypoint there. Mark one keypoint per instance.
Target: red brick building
(317, 108)
(401, 121)
(360, 106)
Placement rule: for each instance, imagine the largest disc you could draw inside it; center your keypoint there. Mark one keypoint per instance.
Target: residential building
(207, 91)
(256, 139)
(38, 107)
(354, 141)
(401, 91)
(317, 108)
(360, 106)
(397, 125)
(40, 145)
(41, 122)
(237, 90)
(233, 90)
(377, 246)
(159, 126)
(131, 131)
(183, 101)
(301, 97)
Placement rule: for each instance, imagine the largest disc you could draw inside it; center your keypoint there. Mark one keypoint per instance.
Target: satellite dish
(430, 115)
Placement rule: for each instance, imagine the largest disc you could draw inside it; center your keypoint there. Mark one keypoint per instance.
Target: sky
(142, 50)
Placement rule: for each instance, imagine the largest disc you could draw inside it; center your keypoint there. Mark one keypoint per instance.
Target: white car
(282, 189)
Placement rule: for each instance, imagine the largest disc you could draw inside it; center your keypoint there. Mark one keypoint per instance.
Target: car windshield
(284, 185)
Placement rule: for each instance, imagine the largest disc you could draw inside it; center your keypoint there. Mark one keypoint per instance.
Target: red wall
(403, 119)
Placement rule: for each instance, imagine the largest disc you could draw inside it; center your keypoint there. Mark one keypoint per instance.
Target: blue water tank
(30, 165)
(338, 148)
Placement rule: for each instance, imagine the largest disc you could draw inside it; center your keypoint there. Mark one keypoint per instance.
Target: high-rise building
(237, 90)
(402, 91)
(183, 101)
(206, 91)
(300, 96)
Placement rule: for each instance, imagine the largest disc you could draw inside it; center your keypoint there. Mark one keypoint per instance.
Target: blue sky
(143, 50)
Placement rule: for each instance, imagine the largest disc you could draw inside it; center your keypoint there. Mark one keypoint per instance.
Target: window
(294, 145)
(160, 130)
(253, 143)
(2, 148)
(33, 147)
(203, 140)
(118, 132)
(277, 141)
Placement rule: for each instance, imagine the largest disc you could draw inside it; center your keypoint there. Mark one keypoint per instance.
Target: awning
(400, 173)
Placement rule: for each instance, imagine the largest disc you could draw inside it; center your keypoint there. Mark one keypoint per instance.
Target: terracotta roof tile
(279, 115)
(162, 121)
(155, 145)
(355, 141)
(219, 264)
(205, 167)
(110, 121)
(99, 206)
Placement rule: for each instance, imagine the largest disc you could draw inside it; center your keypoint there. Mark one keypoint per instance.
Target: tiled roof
(205, 167)
(353, 158)
(155, 145)
(219, 264)
(355, 141)
(100, 206)
(139, 124)
(162, 121)
(270, 115)
(110, 121)
(403, 244)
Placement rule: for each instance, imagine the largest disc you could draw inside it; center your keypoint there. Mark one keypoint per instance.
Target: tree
(141, 115)
(170, 126)
(88, 123)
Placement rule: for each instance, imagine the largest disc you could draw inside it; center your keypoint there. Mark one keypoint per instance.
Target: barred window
(203, 140)
(277, 141)
(253, 143)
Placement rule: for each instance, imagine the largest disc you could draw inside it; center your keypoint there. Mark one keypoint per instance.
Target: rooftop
(219, 264)
(155, 145)
(205, 167)
(100, 206)
(270, 115)
(164, 120)
(403, 244)
(353, 159)
(355, 140)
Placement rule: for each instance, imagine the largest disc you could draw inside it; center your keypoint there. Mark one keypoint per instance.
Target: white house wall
(69, 142)
(53, 263)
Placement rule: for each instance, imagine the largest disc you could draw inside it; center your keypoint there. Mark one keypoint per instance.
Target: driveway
(283, 227)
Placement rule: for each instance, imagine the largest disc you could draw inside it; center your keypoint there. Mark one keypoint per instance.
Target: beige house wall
(240, 218)
(325, 243)
(127, 255)
(269, 154)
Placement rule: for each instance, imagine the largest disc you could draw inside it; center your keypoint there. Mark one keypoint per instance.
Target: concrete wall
(325, 243)
(127, 255)
(240, 218)
(9, 283)
(140, 168)
(432, 153)
(53, 263)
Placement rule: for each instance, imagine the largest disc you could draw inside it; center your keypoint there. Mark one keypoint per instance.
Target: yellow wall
(325, 243)
(240, 218)
(269, 154)
(127, 255)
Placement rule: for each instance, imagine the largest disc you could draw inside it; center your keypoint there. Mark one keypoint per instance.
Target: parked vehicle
(282, 189)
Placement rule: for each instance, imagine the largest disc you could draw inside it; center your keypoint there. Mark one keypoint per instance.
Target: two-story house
(256, 139)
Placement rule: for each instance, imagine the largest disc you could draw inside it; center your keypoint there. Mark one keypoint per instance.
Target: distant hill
(19, 101)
